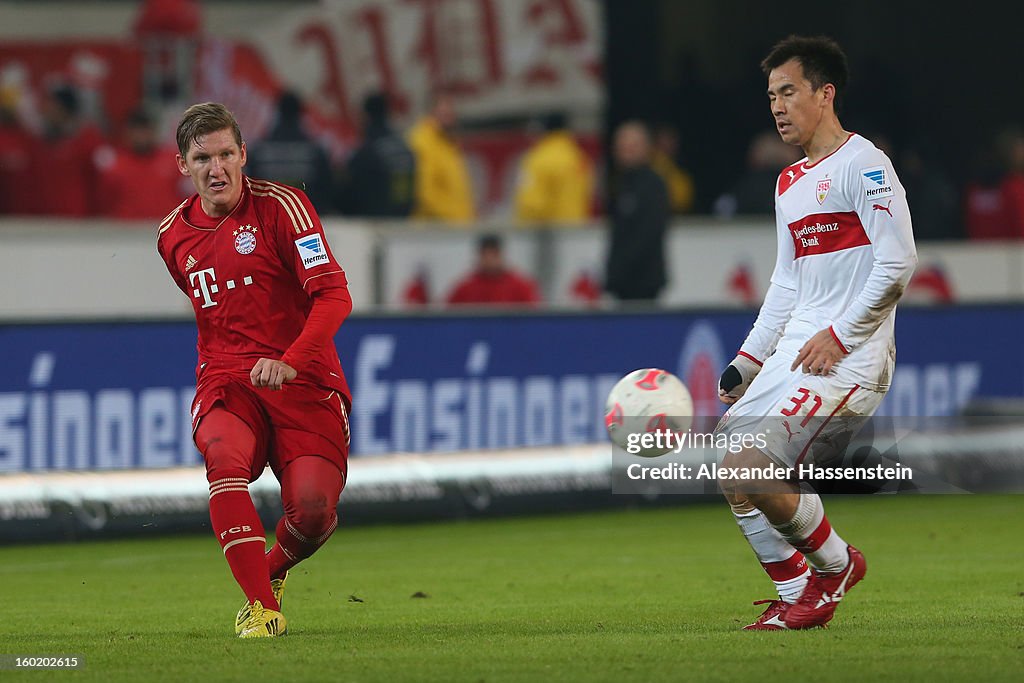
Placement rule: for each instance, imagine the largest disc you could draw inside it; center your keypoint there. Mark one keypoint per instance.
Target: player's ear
(244, 157)
(828, 92)
(182, 167)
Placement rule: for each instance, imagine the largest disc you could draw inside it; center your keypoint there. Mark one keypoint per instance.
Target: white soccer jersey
(845, 254)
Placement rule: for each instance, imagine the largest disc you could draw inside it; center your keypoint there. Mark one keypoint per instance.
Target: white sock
(784, 565)
(810, 532)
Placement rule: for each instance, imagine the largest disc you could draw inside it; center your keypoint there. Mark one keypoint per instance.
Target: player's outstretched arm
(312, 262)
(770, 322)
(764, 336)
(886, 220)
(331, 305)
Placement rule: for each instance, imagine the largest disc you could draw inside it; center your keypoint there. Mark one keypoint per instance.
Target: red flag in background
(930, 285)
(417, 290)
(585, 289)
(741, 285)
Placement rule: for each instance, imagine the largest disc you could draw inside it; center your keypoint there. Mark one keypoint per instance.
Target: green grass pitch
(644, 595)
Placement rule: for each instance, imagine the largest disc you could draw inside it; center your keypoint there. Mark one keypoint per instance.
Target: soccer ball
(647, 400)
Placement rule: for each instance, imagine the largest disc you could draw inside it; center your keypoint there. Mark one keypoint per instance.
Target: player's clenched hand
(271, 373)
(819, 354)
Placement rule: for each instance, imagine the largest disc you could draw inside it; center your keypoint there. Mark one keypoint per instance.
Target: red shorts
(300, 419)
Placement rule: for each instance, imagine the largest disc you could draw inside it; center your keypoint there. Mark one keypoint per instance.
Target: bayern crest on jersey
(823, 187)
(245, 239)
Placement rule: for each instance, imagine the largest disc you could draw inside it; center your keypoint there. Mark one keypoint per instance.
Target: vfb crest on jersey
(245, 239)
(822, 191)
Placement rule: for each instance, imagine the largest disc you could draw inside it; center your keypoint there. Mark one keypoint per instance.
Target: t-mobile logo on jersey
(206, 280)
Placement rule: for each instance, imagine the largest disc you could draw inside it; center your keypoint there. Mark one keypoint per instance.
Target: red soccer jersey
(507, 287)
(134, 186)
(16, 180)
(252, 276)
(69, 168)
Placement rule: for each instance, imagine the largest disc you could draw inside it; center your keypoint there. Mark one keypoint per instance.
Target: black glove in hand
(736, 378)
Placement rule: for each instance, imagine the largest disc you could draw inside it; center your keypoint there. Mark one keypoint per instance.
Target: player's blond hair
(203, 119)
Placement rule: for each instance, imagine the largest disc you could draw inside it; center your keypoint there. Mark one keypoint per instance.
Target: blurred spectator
(709, 144)
(639, 219)
(291, 156)
(167, 32)
(16, 145)
(493, 281)
(378, 179)
(555, 182)
(664, 160)
(168, 17)
(138, 179)
(986, 214)
(754, 192)
(443, 191)
(933, 198)
(63, 165)
(1011, 144)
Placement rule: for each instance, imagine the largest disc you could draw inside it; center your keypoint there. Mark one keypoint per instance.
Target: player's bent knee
(313, 515)
(740, 481)
(739, 503)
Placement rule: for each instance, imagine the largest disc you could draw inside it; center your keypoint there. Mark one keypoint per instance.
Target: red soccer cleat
(772, 619)
(823, 592)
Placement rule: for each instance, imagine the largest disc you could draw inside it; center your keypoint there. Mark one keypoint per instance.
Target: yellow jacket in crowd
(678, 182)
(442, 182)
(555, 181)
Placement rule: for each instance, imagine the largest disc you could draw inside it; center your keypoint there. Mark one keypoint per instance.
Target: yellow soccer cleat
(263, 623)
(277, 586)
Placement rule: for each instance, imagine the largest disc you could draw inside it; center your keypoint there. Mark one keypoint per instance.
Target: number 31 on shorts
(802, 397)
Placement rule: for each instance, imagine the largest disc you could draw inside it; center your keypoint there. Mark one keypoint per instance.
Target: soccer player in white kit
(822, 345)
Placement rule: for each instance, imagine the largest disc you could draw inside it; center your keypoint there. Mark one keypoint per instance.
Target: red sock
(228, 445)
(241, 535)
(291, 547)
(310, 487)
(810, 532)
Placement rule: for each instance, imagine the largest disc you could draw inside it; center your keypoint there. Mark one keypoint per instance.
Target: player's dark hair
(67, 97)
(489, 241)
(289, 107)
(203, 119)
(375, 106)
(822, 59)
(555, 120)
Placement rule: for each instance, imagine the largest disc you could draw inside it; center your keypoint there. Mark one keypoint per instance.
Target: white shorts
(800, 418)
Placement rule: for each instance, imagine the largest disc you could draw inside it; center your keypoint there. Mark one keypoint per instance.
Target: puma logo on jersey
(785, 423)
(879, 207)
